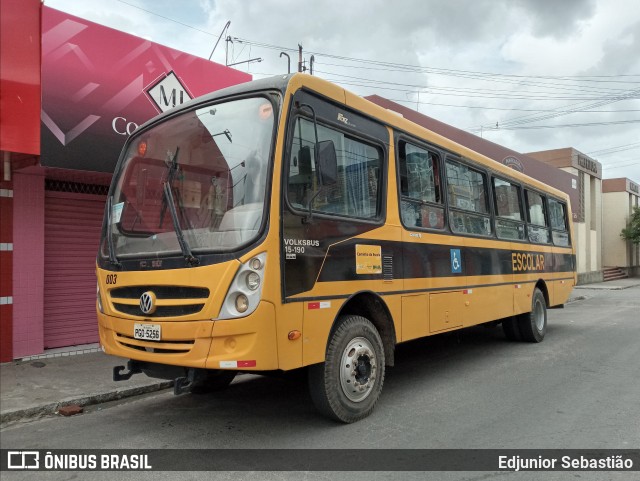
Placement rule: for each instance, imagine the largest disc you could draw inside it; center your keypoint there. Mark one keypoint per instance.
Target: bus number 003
(111, 278)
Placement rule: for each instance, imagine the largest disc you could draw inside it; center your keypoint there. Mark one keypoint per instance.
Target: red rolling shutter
(72, 234)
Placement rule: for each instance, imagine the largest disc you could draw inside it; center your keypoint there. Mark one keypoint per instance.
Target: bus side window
(421, 195)
(558, 221)
(509, 221)
(537, 217)
(357, 190)
(468, 207)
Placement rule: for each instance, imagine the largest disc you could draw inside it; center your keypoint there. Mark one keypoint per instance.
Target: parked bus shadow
(280, 406)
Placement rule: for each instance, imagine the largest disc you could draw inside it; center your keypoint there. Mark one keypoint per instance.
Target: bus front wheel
(533, 325)
(347, 385)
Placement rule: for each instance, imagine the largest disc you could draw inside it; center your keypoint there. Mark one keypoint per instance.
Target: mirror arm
(309, 217)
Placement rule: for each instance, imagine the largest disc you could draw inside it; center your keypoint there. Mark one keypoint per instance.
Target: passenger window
(358, 189)
(538, 227)
(468, 206)
(420, 189)
(509, 221)
(558, 218)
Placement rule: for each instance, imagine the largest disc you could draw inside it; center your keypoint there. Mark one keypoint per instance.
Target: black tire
(216, 380)
(511, 329)
(533, 325)
(341, 389)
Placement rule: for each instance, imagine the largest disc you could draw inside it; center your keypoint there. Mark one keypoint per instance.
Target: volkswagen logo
(148, 303)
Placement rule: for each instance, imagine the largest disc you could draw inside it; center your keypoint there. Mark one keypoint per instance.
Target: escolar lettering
(523, 261)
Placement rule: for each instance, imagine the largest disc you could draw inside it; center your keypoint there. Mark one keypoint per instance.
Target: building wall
(74, 49)
(620, 197)
(587, 215)
(28, 264)
(616, 214)
(20, 104)
(20, 76)
(6, 267)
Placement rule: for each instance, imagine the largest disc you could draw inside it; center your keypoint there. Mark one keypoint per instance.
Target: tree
(632, 231)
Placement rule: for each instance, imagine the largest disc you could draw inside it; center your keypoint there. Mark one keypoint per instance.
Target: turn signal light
(293, 335)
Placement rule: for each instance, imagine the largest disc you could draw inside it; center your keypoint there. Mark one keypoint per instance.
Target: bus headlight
(242, 303)
(245, 291)
(255, 264)
(253, 280)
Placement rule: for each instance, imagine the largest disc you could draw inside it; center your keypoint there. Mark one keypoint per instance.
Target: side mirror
(327, 162)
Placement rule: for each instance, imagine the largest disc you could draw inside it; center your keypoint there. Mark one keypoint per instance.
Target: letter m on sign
(168, 92)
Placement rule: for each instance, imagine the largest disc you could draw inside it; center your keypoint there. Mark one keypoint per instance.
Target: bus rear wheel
(347, 385)
(533, 325)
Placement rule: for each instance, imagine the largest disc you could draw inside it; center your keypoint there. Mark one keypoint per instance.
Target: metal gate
(72, 234)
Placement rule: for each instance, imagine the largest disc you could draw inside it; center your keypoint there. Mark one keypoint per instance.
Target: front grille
(168, 347)
(164, 294)
(161, 292)
(161, 311)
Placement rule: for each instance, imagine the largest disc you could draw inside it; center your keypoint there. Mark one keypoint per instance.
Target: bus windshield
(197, 179)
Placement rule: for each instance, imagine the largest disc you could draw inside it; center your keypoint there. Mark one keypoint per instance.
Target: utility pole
(226, 55)
(301, 68)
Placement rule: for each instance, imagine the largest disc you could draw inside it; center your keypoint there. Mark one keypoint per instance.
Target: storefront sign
(100, 84)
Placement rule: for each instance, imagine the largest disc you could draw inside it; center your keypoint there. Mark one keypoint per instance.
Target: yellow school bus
(287, 223)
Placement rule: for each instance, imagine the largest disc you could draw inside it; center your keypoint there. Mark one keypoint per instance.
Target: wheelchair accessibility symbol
(456, 261)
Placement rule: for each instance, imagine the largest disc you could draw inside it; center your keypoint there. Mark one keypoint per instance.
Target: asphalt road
(580, 388)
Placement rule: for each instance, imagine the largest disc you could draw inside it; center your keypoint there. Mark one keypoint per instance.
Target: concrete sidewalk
(41, 385)
(612, 285)
(34, 388)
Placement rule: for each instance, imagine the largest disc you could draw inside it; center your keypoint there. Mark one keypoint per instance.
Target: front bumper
(247, 343)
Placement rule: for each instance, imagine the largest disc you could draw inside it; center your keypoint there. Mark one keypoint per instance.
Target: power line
(622, 166)
(168, 18)
(586, 124)
(514, 96)
(616, 149)
(493, 90)
(472, 75)
(511, 109)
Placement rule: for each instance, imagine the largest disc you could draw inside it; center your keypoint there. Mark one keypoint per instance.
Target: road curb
(14, 415)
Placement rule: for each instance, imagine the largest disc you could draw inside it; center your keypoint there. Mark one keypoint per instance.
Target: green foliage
(632, 231)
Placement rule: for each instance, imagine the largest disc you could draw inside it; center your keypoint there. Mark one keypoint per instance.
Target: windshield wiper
(112, 252)
(184, 245)
(171, 172)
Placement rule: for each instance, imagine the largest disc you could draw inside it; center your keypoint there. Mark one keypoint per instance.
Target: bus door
(334, 240)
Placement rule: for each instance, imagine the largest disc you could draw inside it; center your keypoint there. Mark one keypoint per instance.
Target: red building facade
(97, 85)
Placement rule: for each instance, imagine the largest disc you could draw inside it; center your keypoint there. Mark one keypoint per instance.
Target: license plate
(146, 332)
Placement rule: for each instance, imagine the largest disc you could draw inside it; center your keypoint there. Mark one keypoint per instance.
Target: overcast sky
(539, 70)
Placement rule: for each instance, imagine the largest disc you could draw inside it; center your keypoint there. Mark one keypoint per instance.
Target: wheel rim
(358, 369)
(538, 315)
